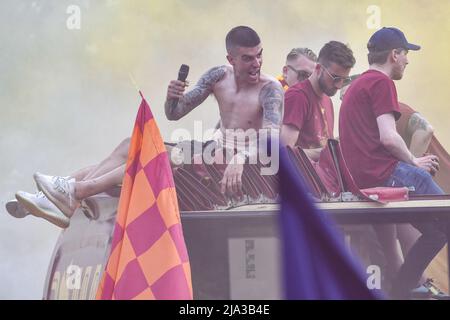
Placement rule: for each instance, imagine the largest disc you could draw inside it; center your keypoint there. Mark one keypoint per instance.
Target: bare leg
(388, 239)
(90, 187)
(80, 174)
(116, 159)
(107, 174)
(408, 235)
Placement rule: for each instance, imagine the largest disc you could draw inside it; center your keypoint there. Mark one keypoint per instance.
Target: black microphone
(182, 75)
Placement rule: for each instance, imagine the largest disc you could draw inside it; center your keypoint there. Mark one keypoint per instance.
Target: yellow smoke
(151, 38)
(66, 99)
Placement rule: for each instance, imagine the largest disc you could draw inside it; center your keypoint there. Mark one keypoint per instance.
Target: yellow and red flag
(148, 258)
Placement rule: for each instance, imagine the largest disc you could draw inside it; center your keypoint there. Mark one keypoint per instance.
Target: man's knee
(432, 233)
(430, 186)
(125, 143)
(424, 183)
(424, 175)
(122, 149)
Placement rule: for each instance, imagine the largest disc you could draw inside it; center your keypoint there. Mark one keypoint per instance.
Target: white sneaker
(16, 209)
(89, 209)
(60, 191)
(39, 206)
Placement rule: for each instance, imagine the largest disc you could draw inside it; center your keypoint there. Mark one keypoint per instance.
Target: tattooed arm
(187, 102)
(271, 99)
(421, 132)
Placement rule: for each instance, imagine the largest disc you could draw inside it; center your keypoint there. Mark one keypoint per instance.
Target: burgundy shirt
(370, 96)
(312, 115)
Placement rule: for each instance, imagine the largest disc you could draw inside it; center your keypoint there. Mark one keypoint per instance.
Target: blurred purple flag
(316, 263)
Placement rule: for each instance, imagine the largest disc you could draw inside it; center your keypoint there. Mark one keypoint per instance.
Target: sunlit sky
(66, 97)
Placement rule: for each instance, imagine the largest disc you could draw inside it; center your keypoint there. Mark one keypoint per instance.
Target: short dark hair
(337, 52)
(306, 52)
(380, 57)
(241, 36)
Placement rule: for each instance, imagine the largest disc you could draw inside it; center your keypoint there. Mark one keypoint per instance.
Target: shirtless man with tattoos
(247, 99)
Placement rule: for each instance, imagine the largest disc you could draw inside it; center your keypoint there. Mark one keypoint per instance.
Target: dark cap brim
(413, 47)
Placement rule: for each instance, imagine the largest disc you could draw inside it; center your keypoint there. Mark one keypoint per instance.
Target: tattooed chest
(243, 106)
(241, 115)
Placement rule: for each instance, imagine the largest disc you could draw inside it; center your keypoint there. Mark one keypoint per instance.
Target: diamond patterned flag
(148, 258)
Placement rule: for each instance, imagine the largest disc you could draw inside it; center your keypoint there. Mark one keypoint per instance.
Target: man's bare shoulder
(227, 68)
(266, 77)
(269, 81)
(271, 98)
(270, 84)
(218, 75)
(214, 75)
(224, 70)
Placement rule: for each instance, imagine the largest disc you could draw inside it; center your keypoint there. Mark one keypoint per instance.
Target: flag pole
(133, 81)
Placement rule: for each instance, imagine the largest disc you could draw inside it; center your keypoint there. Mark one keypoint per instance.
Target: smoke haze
(66, 98)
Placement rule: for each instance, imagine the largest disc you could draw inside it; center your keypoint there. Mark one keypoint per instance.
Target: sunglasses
(301, 74)
(338, 79)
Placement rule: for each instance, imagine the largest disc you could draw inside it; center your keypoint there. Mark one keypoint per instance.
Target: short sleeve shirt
(312, 115)
(370, 96)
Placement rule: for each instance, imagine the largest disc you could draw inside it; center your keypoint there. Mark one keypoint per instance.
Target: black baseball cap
(389, 38)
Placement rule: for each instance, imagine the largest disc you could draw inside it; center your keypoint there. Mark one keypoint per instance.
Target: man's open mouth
(254, 74)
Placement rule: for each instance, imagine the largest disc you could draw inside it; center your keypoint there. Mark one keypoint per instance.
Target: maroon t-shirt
(312, 115)
(370, 96)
